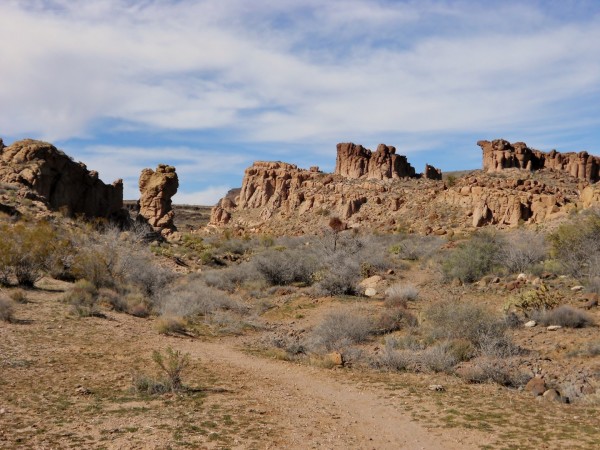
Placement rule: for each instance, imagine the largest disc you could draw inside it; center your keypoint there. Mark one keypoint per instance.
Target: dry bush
(18, 296)
(394, 319)
(523, 249)
(113, 299)
(231, 278)
(405, 342)
(398, 294)
(392, 358)
(565, 316)
(83, 299)
(342, 328)
(171, 325)
(173, 363)
(438, 358)
(493, 370)
(473, 259)
(286, 267)
(7, 309)
(576, 246)
(414, 247)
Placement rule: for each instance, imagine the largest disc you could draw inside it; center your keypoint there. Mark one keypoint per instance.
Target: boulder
(58, 180)
(537, 386)
(157, 188)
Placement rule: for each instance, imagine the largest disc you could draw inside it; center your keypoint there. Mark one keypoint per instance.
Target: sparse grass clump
(172, 364)
(7, 309)
(171, 325)
(83, 298)
(18, 296)
(493, 370)
(399, 295)
(565, 316)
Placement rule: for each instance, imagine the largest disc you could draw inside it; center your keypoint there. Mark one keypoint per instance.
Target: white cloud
(206, 197)
(290, 71)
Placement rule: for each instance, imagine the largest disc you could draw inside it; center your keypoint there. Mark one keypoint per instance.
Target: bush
(462, 320)
(286, 267)
(565, 316)
(414, 247)
(475, 258)
(576, 246)
(172, 363)
(534, 300)
(398, 294)
(494, 370)
(393, 359)
(18, 296)
(342, 328)
(171, 325)
(522, 250)
(7, 309)
(438, 358)
(394, 319)
(83, 298)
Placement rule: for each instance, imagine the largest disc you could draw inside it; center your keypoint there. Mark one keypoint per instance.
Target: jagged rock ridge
(500, 154)
(58, 180)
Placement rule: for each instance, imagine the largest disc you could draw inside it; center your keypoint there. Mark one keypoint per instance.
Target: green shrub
(473, 259)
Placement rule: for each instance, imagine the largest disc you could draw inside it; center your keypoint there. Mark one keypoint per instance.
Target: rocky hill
(45, 174)
(381, 190)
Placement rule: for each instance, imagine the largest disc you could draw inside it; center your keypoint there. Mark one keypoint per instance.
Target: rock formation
(432, 173)
(355, 161)
(500, 154)
(157, 188)
(58, 180)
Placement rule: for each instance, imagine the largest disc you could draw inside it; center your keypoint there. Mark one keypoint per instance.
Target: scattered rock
(551, 395)
(336, 358)
(537, 386)
(80, 390)
(530, 324)
(577, 288)
(371, 282)
(436, 387)
(553, 327)
(522, 276)
(370, 292)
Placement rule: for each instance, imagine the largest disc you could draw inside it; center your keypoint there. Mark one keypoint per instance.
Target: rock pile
(157, 188)
(500, 154)
(58, 180)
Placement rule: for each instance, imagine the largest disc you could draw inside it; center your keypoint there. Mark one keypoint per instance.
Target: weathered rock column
(157, 188)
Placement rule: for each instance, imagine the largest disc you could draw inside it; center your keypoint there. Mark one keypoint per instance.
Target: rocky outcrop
(432, 173)
(355, 161)
(500, 154)
(157, 189)
(58, 180)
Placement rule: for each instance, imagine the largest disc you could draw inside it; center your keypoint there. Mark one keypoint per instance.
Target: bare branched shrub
(231, 278)
(342, 328)
(522, 250)
(83, 298)
(493, 370)
(463, 320)
(438, 358)
(399, 294)
(565, 316)
(473, 259)
(7, 309)
(394, 319)
(576, 246)
(394, 359)
(172, 363)
(286, 267)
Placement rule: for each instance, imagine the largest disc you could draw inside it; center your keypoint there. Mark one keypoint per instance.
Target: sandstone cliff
(61, 182)
(500, 154)
(157, 188)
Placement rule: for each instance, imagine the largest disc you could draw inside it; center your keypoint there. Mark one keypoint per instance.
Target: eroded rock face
(355, 161)
(58, 180)
(500, 154)
(432, 173)
(157, 189)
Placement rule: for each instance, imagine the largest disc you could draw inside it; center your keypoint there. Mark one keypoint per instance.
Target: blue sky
(210, 86)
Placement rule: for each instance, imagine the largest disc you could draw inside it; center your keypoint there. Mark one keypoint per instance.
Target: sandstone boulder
(355, 161)
(157, 188)
(58, 180)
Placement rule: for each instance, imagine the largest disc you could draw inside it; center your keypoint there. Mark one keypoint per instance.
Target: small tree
(173, 363)
(337, 226)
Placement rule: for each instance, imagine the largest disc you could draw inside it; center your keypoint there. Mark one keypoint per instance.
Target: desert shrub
(172, 363)
(576, 246)
(7, 309)
(461, 349)
(406, 342)
(475, 258)
(394, 359)
(342, 328)
(339, 276)
(456, 320)
(438, 358)
(493, 370)
(112, 299)
(399, 294)
(83, 298)
(413, 247)
(145, 385)
(194, 298)
(18, 296)
(394, 319)
(171, 325)
(286, 267)
(522, 250)
(534, 300)
(231, 278)
(565, 316)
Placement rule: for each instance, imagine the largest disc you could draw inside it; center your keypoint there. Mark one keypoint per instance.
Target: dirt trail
(317, 411)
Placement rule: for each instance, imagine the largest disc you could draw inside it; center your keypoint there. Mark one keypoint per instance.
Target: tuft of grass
(399, 295)
(171, 325)
(18, 296)
(566, 316)
(6, 308)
